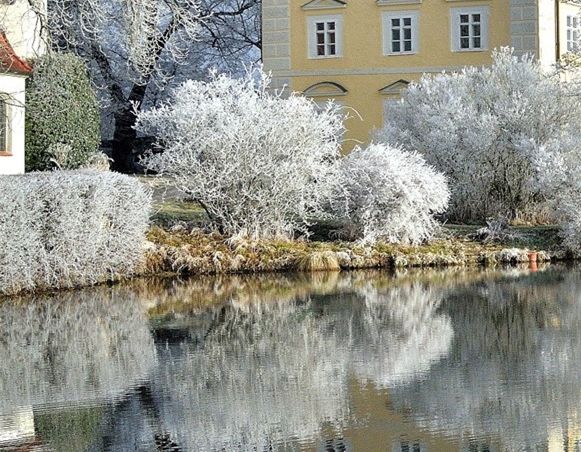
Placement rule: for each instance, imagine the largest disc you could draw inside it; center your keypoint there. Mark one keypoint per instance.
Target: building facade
(13, 74)
(362, 53)
(19, 41)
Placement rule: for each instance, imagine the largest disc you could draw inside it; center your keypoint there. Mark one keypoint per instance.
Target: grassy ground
(181, 244)
(541, 237)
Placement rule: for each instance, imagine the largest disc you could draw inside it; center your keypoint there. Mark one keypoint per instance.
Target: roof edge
(9, 61)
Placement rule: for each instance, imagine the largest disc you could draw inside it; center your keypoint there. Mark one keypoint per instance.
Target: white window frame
(409, 446)
(387, 17)
(313, 32)
(573, 29)
(455, 21)
(5, 112)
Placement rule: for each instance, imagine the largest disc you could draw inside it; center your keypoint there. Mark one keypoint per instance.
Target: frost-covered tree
(388, 194)
(230, 36)
(136, 50)
(483, 127)
(62, 113)
(257, 163)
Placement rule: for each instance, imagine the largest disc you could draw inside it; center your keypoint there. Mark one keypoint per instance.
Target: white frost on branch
(258, 164)
(482, 128)
(389, 194)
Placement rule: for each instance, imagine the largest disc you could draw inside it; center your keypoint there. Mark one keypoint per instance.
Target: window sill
(6, 154)
(398, 2)
(468, 50)
(333, 57)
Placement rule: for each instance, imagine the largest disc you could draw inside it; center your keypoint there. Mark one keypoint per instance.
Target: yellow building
(364, 52)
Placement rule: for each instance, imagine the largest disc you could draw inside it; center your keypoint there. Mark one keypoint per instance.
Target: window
(325, 36)
(572, 33)
(400, 32)
(405, 445)
(3, 124)
(326, 33)
(469, 29)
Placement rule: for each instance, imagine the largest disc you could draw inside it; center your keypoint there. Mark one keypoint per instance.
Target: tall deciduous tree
(137, 50)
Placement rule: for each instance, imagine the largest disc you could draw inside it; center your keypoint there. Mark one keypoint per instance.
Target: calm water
(412, 362)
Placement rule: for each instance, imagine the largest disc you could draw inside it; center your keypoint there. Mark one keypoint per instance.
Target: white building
(13, 73)
(19, 41)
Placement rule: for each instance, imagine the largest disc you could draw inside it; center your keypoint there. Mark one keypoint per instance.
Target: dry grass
(192, 250)
(318, 261)
(181, 244)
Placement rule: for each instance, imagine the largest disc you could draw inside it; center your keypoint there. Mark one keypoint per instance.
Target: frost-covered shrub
(256, 162)
(482, 128)
(62, 114)
(389, 194)
(559, 179)
(63, 229)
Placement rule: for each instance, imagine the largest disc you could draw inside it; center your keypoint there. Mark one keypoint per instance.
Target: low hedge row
(70, 228)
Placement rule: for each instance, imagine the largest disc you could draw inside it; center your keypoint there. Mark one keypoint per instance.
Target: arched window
(324, 91)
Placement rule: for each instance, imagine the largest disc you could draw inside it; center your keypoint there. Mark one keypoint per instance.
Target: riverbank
(187, 249)
(178, 243)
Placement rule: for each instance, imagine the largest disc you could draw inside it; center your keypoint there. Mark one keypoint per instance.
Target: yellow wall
(364, 70)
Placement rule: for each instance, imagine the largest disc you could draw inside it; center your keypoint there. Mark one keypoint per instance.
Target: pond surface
(475, 361)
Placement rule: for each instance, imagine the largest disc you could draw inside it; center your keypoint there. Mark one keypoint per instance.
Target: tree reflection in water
(401, 334)
(513, 373)
(261, 377)
(71, 347)
(272, 364)
(275, 370)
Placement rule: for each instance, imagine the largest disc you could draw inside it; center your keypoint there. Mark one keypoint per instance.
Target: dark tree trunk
(123, 141)
(125, 135)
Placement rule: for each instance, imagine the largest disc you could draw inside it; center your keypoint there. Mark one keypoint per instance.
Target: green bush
(62, 112)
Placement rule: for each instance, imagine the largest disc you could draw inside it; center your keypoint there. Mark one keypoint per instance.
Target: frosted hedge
(65, 229)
